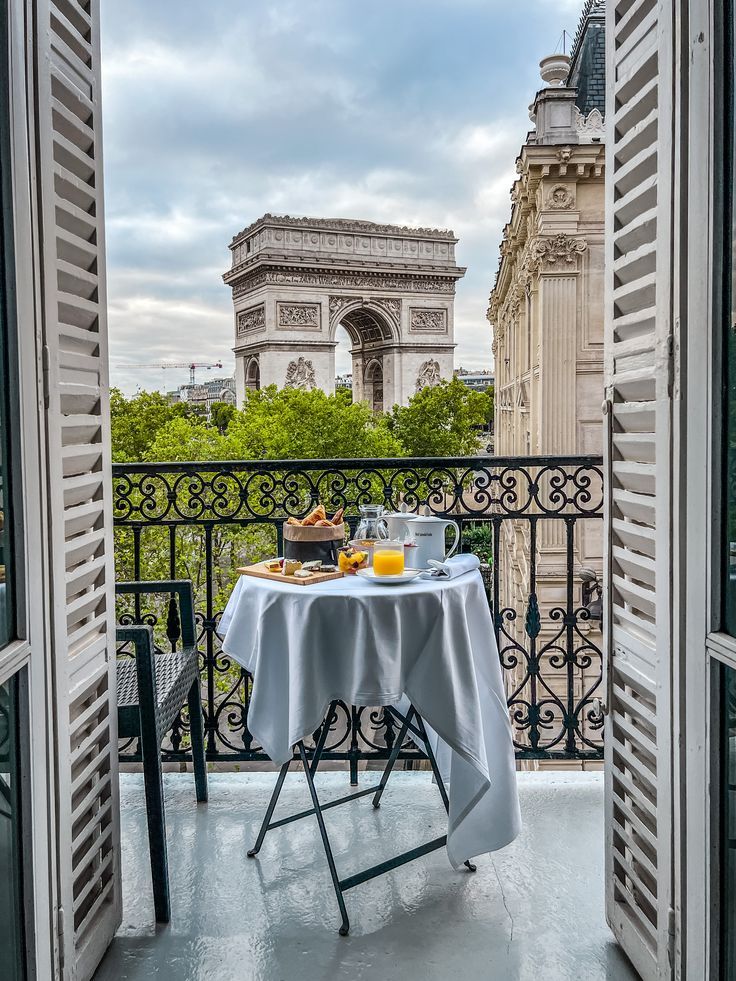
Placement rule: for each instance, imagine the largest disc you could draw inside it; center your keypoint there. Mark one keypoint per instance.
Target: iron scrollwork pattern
(201, 520)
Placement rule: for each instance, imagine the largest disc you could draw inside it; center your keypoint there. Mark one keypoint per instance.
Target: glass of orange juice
(388, 558)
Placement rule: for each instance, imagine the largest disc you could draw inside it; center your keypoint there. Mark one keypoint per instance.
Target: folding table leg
(437, 775)
(324, 732)
(396, 749)
(270, 809)
(345, 927)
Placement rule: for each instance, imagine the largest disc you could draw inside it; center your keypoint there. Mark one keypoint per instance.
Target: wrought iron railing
(531, 519)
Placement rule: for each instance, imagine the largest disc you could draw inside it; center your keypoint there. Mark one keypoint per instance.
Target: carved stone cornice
(344, 225)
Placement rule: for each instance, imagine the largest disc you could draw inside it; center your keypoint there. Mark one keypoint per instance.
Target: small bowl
(365, 545)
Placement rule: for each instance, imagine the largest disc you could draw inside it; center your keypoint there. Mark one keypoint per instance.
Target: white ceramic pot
(428, 532)
(398, 523)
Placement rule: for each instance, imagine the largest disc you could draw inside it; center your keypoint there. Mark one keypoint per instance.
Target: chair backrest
(180, 622)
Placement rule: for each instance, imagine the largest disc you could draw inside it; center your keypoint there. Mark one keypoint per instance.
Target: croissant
(337, 517)
(323, 524)
(313, 517)
(293, 521)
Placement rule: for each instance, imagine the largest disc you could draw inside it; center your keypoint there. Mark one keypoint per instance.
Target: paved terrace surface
(532, 912)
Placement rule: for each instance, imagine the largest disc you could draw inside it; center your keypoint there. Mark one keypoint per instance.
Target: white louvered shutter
(638, 732)
(70, 230)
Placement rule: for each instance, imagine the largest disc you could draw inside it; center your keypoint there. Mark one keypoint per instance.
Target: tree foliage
(442, 420)
(134, 422)
(283, 424)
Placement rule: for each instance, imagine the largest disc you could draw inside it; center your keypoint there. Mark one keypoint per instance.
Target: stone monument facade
(294, 281)
(546, 313)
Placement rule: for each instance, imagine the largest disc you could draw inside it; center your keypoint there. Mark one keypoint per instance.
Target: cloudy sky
(216, 111)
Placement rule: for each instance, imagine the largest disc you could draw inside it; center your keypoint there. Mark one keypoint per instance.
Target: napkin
(451, 568)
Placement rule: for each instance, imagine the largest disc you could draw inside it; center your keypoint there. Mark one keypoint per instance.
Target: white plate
(408, 575)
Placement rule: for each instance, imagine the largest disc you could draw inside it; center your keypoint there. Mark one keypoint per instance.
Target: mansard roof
(588, 58)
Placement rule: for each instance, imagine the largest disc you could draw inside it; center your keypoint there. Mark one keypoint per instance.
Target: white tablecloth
(370, 645)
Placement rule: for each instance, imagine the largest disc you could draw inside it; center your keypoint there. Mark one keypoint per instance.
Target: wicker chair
(152, 688)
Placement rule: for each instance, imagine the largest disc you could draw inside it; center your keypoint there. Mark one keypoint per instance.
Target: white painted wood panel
(638, 368)
(70, 233)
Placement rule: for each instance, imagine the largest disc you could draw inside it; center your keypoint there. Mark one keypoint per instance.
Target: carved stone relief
(390, 306)
(300, 374)
(433, 320)
(589, 127)
(560, 197)
(557, 251)
(429, 375)
(253, 319)
(345, 280)
(305, 315)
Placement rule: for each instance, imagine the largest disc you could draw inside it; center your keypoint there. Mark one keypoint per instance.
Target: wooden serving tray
(260, 571)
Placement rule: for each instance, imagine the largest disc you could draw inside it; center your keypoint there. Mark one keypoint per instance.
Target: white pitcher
(428, 532)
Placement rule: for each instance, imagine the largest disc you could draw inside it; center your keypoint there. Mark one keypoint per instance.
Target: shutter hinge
(45, 358)
(673, 362)
(60, 938)
(671, 934)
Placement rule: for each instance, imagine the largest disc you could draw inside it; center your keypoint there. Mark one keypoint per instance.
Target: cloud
(407, 113)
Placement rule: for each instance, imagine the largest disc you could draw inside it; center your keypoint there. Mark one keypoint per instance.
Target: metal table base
(410, 723)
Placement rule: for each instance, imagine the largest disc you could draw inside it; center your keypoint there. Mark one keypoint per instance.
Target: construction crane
(192, 365)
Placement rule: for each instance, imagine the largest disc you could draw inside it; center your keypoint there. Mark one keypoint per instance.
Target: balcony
(539, 902)
(533, 910)
(534, 520)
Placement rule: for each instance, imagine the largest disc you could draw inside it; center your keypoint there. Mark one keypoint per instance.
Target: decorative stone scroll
(304, 315)
(433, 321)
(429, 375)
(300, 374)
(253, 319)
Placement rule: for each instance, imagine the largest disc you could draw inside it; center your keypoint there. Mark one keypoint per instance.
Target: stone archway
(252, 373)
(294, 280)
(373, 384)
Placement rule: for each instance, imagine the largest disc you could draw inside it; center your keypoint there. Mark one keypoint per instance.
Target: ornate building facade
(296, 280)
(546, 313)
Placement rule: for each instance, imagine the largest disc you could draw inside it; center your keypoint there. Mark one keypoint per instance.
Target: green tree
(441, 420)
(135, 422)
(221, 415)
(289, 423)
(186, 438)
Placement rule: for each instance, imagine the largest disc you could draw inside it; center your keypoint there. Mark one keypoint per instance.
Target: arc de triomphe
(295, 280)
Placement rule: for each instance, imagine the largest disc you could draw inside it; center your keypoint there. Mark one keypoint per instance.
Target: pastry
(337, 517)
(319, 514)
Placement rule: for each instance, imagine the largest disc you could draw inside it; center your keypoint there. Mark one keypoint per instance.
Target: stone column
(557, 259)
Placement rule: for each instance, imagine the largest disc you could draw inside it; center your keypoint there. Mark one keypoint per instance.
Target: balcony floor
(534, 910)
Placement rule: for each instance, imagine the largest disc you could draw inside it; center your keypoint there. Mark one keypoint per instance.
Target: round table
(430, 641)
